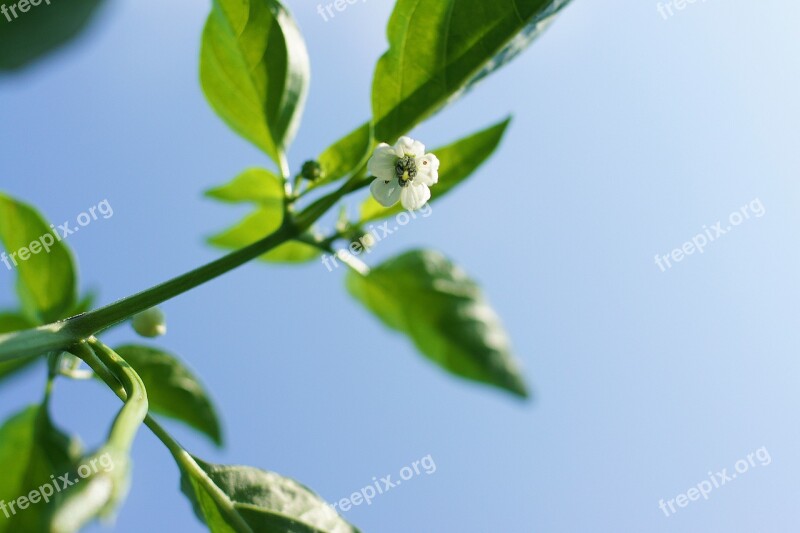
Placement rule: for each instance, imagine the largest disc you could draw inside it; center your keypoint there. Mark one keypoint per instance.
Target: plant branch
(60, 335)
(181, 456)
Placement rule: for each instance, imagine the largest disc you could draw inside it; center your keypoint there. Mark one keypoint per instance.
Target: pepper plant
(254, 70)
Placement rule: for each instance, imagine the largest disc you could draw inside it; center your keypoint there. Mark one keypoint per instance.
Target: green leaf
(32, 450)
(173, 390)
(84, 305)
(246, 499)
(13, 322)
(254, 70)
(344, 156)
(41, 29)
(256, 226)
(439, 48)
(425, 296)
(46, 281)
(252, 185)
(458, 161)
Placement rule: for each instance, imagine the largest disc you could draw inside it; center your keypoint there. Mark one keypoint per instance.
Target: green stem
(321, 206)
(61, 335)
(133, 413)
(284, 166)
(182, 457)
(350, 260)
(96, 321)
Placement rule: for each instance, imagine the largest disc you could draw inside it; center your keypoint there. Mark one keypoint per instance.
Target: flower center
(406, 169)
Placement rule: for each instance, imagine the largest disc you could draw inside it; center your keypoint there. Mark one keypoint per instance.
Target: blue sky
(631, 132)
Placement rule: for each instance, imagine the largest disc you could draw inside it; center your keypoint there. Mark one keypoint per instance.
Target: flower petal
(408, 146)
(415, 195)
(382, 162)
(386, 192)
(427, 169)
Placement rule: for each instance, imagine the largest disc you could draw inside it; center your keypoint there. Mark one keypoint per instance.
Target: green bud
(150, 323)
(312, 171)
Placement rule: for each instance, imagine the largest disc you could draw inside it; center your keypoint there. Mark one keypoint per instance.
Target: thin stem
(60, 335)
(96, 321)
(135, 409)
(296, 192)
(283, 162)
(350, 260)
(182, 457)
(321, 206)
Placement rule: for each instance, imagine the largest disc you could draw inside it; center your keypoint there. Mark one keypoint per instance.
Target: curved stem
(182, 457)
(134, 411)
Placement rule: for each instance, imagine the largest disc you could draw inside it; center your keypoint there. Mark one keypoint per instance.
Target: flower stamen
(406, 169)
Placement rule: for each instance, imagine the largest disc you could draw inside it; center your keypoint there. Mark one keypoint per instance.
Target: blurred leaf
(12, 322)
(264, 221)
(32, 450)
(246, 499)
(254, 70)
(252, 185)
(41, 29)
(84, 305)
(439, 48)
(343, 157)
(47, 282)
(102, 480)
(173, 390)
(458, 161)
(425, 296)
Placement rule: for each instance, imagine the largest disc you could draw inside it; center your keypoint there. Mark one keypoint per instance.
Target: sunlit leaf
(438, 49)
(343, 157)
(47, 280)
(252, 185)
(254, 70)
(264, 221)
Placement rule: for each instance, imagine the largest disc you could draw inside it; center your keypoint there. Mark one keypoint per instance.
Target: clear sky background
(631, 132)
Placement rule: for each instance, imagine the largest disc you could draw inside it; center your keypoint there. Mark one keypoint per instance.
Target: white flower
(403, 172)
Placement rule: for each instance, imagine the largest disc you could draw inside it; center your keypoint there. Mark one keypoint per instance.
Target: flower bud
(312, 171)
(150, 323)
